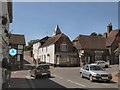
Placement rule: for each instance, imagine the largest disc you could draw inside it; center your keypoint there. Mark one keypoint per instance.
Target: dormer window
(64, 47)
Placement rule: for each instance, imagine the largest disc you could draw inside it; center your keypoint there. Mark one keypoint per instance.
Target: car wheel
(106, 66)
(81, 75)
(36, 76)
(49, 75)
(91, 78)
(31, 75)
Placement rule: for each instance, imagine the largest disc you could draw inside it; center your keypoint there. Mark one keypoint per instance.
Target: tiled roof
(52, 40)
(17, 39)
(111, 37)
(90, 42)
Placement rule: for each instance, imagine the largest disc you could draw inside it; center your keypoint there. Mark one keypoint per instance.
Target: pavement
(19, 80)
(115, 77)
(19, 83)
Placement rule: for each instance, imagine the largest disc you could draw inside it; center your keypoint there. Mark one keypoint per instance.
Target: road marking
(76, 83)
(59, 76)
(70, 81)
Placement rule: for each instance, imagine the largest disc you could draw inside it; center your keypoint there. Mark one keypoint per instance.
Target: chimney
(109, 28)
(105, 35)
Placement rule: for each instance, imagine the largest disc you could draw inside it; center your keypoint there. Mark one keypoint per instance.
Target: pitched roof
(53, 40)
(17, 39)
(91, 42)
(111, 37)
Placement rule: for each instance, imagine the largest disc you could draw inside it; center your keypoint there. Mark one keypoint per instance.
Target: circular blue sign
(12, 52)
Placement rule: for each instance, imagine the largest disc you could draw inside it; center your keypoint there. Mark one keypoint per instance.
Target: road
(68, 77)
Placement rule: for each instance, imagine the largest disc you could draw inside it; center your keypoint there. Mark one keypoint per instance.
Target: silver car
(103, 63)
(95, 72)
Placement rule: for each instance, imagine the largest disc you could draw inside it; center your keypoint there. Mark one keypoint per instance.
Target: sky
(38, 19)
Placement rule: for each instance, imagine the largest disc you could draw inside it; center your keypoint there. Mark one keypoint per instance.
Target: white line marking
(70, 81)
(76, 83)
(59, 76)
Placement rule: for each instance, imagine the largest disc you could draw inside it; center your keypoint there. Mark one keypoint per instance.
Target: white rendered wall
(45, 51)
(36, 50)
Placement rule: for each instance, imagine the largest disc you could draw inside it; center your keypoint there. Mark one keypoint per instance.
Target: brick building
(91, 48)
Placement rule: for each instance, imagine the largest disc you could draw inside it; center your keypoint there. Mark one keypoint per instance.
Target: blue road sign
(12, 52)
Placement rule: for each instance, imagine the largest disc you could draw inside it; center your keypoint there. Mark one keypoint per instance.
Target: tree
(30, 44)
(100, 34)
(93, 34)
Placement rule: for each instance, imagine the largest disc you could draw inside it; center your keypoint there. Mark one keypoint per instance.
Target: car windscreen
(39, 68)
(95, 67)
(44, 66)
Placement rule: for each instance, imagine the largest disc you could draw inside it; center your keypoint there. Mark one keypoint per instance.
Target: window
(45, 57)
(64, 47)
(99, 55)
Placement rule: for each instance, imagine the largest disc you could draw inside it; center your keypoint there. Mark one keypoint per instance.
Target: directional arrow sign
(12, 52)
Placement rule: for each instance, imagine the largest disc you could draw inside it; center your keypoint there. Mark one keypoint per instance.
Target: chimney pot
(109, 28)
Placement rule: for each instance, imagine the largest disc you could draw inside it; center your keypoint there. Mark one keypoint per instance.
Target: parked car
(95, 72)
(40, 70)
(103, 63)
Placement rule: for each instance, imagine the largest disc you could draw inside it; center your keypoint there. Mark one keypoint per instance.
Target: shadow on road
(95, 81)
(19, 83)
(45, 83)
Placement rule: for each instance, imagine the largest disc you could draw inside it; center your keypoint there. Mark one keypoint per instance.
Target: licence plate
(44, 73)
(104, 77)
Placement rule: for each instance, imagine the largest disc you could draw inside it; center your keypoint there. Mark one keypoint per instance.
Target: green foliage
(30, 45)
(100, 35)
(95, 34)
